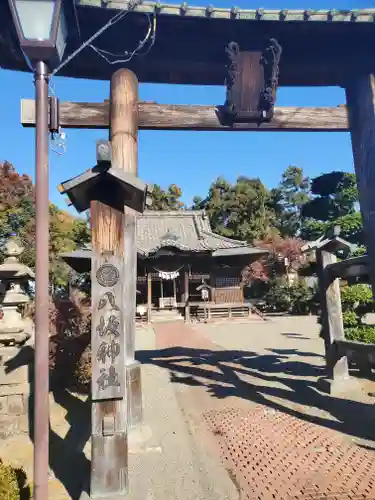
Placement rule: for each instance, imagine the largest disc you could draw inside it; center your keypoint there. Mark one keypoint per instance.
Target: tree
(17, 217)
(282, 253)
(240, 211)
(66, 234)
(334, 202)
(287, 200)
(166, 199)
(17, 210)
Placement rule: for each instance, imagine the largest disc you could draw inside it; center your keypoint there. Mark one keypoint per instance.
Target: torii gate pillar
(360, 96)
(123, 134)
(116, 394)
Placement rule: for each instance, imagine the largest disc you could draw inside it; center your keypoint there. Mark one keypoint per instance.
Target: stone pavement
(232, 411)
(169, 458)
(176, 462)
(255, 386)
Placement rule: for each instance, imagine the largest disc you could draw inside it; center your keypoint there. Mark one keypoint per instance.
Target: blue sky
(191, 160)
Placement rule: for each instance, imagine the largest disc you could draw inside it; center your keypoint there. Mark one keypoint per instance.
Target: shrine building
(177, 252)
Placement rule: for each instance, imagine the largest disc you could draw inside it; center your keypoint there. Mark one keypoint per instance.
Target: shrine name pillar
(124, 141)
(109, 443)
(360, 96)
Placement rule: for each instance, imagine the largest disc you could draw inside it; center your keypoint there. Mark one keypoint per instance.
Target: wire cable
(115, 19)
(127, 56)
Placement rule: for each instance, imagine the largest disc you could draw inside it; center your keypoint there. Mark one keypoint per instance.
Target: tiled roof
(186, 230)
(260, 14)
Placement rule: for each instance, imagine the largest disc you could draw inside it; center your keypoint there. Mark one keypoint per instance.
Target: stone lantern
(15, 332)
(14, 329)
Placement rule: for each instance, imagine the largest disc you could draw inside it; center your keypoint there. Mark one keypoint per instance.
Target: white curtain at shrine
(171, 275)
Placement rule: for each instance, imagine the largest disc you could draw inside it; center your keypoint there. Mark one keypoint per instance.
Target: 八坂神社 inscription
(110, 328)
(109, 379)
(107, 329)
(110, 350)
(108, 297)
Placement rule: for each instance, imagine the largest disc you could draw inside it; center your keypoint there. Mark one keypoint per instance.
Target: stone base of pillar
(339, 387)
(14, 389)
(134, 392)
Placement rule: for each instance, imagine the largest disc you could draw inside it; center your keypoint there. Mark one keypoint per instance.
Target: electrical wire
(142, 42)
(126, 56)
(115, 19)
(150, 35)
(28, 62)
(77, 21)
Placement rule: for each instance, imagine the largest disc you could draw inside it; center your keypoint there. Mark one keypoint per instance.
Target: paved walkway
(231, 413)
(170, 458)
(277, 435)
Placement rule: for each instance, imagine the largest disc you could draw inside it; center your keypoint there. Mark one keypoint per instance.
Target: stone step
(165, 316)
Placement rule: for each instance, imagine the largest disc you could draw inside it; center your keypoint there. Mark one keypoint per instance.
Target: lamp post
(41, 30)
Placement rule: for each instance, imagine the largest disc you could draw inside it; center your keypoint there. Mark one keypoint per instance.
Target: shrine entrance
(168, 295)
(251, 64)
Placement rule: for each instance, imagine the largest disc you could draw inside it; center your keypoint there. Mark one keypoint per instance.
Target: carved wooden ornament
(251, 83)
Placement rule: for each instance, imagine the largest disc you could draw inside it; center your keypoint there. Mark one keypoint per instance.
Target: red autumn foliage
(14, 187)
(256, 271)
(17, 201)
(279, 249)
(283, 248)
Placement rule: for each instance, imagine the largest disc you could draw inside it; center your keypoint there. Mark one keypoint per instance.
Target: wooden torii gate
(356, 117)
(249, 106)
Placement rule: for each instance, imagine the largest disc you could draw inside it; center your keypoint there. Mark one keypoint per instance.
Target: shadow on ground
(67, 459)
(273, 380)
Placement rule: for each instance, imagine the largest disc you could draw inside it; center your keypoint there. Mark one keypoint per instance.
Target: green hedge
(357, 301)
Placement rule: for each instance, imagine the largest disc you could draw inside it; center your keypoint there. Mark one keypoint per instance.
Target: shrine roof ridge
(260, 14)
(185, 230)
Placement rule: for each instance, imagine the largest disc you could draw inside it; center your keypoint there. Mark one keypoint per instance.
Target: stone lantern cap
(12, 267)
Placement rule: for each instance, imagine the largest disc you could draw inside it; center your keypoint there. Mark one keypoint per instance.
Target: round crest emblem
(107, 275)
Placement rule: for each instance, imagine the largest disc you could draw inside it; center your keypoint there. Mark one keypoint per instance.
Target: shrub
(82, 373)
(356, 295)
(361, 333)
(9, 488)
(13, 483)
(350, 319)
(295, 298)
(70, 328)
(356, 302)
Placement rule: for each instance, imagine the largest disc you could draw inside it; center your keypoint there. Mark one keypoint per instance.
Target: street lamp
(41, 30)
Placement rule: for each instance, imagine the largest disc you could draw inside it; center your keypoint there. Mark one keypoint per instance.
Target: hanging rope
(168, 275)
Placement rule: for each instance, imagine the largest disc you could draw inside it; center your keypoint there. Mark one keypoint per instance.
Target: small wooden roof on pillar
(184, 231)
(319, 47)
